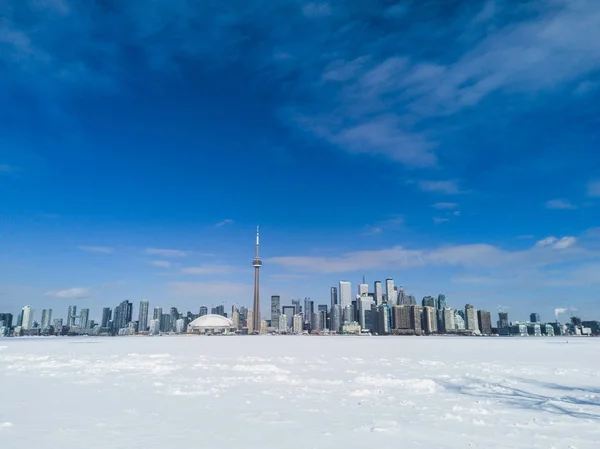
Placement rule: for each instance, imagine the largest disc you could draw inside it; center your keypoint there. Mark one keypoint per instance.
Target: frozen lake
(300, 392)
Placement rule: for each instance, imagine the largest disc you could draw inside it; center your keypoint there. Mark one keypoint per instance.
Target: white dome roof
(211, 321)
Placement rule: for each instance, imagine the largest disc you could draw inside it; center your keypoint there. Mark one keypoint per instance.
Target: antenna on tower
(363, 278)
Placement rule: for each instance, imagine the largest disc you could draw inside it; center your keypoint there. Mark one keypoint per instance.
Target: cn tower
(257, 263)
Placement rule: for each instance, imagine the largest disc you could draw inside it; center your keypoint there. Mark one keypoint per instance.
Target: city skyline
(451, 146)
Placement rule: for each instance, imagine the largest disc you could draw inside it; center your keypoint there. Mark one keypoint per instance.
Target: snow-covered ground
(299, 392)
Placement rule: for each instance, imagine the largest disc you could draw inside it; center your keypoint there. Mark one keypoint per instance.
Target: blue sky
(453, 146)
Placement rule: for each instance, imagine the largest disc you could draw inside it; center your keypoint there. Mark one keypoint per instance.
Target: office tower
(203, 311)
(106, 316)
(91, 324)
(428, 301)
(297, 306)
(282, 325)
(534, 318)
(382, 319)
(440, 306)
(363, 289)
(449, 324)
(27, 318)
(297, 324)
(71, 315)
(275, 311)
(165, 322)
(364, 305)
(429, 320)
(315, 322)
(400, 317)
(345, 292)
(334, 296)
(378, 293)
(250, 322)
(256, 263)
(412, 300)
(471, 323)
(309, 309)
(19, 322)
(154, 327)
(347, 314)
(336, 318)
(157, 314)
(289, 312)
(6, 319)
(484, 321)
(122, 315)
(219, 310)
(180, 326)
(390, 293)
(84, 317)
(322, 319)
(459, 321)
(143, 316)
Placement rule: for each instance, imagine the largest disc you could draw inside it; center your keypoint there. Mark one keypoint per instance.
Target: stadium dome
(211, 324)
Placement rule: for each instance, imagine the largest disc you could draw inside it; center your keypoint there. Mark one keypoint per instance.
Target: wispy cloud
(443, 206)
(97, 249)
(553, 242)
(560, 204)
(593, 188)
(224, 222)
(161, 263)
(71, 293)
(166, 252)
(449, 187)
(439, 220)
(209, 269)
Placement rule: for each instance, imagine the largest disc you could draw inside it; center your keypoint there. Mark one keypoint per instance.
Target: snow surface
(299, 392)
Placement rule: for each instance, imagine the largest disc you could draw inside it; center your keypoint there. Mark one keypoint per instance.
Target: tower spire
(257, 243)
(256, 263)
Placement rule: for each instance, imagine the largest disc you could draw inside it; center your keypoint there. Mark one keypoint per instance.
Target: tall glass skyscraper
(345, 292)
(275, 311)
(143, 316)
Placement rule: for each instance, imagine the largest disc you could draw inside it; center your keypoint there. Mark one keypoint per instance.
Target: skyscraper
(71, 315)
(440, 306)
(122, 315)
(471, 318)
(534, 317)
(336, 318)
(378, 293)
(203, 311)
(289, 312)
(106, 316)
(334, 296)
(7, 319)
(345, 292)
(297, 306)
(309, 309)
(275, 311)
(143, 316)
(256, 263)
(429, 320)
(389, 292)
(449, 324)
(428, 301)
(46, 318)
(363, 289)
(84, 317)
(484, 319)
(27, 318)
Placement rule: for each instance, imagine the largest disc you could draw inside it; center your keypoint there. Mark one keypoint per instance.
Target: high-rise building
(429, 320)
(336, 318)
(378, 293)
(180, 326)
(157, 313)
(6, 319)
(534, 318)
(235, 318)
(297, 324)
(484, 319)
(401, 317)
(503, 322)
(143, 316)
(84, 317)
(71, 316)
(154, 327)
(459, 321)
(297, 306)
(449, 324)
(46, 318)
(218, 310)
(440, 305)
(345, 292)
(390, 295)
(106, 316)
(471, 323)
(275, 311)
(428, 301)
(256, 263)
(58, 325)
(27, 318)
(203, 311)
(415, 318)
(334, 296)
(122, 315)
(363, 289)
(309, 309)
(165, 322)
(364, 305)
(282, 325)
(347, 314)
(381, 319)
(250, 322)
(412, 300)
(317, 323)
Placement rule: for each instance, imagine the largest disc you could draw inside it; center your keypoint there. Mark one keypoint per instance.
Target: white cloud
(446, 187)
(559, 204)
(553, 242)
(224, 222)
(593, 188)
(209, 269)
(316, 10)
(161, 263)
(70, 293)
(214, 291)
(443, 206)
(97, 249)
(372, 230)
(438, 220)
(166, 252)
